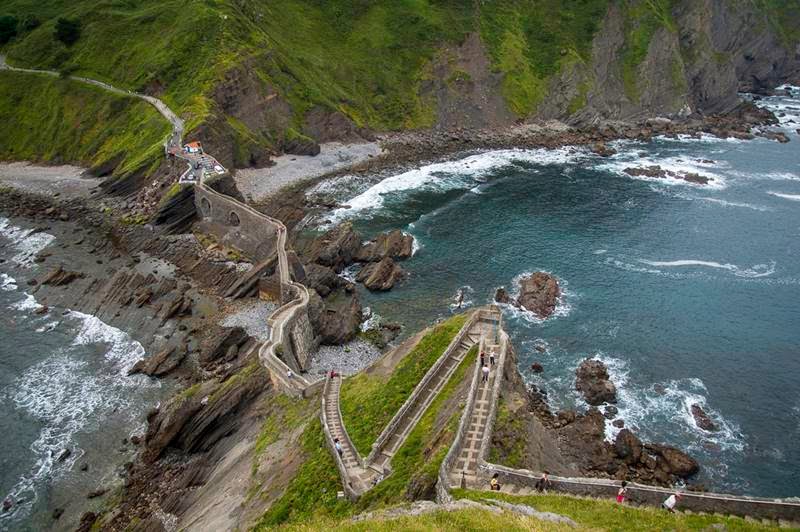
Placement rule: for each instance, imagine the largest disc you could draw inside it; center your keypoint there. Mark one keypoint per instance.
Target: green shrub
(8, 28)
(68, 31)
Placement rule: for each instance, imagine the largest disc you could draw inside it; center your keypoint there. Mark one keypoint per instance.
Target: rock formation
(702, 419)
(380, 276)
(657, 171)
(593, 382)
(394, 244)
(539, 293)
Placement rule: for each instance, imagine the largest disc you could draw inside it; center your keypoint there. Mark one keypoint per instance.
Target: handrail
(351, 493)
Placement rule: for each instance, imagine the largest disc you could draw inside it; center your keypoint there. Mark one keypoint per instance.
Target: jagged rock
(702, 419)
(337, 319)
(322, 279)
(87, 522)
(66, 453)
(602, 150)
(44, 309)
(628, 447)
(594, 383)
(673, 461)
(216, 346)
(536, 367)
(181, 306)
(618, 423)
(610, 411)
(501, 295)
(61, 277)
(336, 248)
(780, 136)
(539, 293)
(380, 276)
(161, 363)
(657, 171)
(99, 492)
(395, 245)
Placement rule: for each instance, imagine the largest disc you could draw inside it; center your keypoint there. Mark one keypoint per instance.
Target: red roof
(195, 144)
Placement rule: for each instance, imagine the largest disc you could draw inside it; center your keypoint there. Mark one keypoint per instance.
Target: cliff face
(258, 77)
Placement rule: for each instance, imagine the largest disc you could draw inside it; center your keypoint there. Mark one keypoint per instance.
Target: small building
(193, 147)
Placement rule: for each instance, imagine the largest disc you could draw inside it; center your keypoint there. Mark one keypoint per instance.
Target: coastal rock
(394, 244)
(628, 447)
(336, 248)
(61, 277)
(594, 383)
(702, 419)
(673, 461)
(502, 296)
(536, 367)
(322, 279)
(776, 135)
(99, 492)
(87, 522)
(610, 411)
(619, 423)
(380, 276)
(337, 319)
(221, 344)
(658, 172)
(161, 363)
(539, 293)
(602, 150)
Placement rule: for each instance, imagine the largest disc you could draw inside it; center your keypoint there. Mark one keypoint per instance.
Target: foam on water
(28, 242)
(27, 303)
(466, 173)
(123, 351)
(462, 298)
(758, 270)
(792, 197)
(7, 283)
(732, 203)
(631, 159)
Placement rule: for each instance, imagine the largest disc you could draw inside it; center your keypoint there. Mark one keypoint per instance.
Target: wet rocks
(380, 276)
(536, 367)
(658, 172)
(394, 244)
(628, 447)
(779, 136)
(702, 419)
(221, 345)
(593, 382)
(673, 461)
(66, 453)
(336, 319)
(61, 277)
(539, 293)
(99, 492)
(337, 248)
(602, 150)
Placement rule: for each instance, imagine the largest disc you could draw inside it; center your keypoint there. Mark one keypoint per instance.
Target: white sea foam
(600, 252)
(758, 270)
(682, 165)
(793, 197)
(47, 327)
(7, 283)
(25, 304)
(123, 350)
(771, 176)
(349, 273)
(415, 245)
(27, 242)
(725, 203)
(639, 406)
(463, 173)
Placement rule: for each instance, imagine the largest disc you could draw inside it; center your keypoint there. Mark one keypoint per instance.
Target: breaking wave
(28, 242)
(793, 197)
(758, 270)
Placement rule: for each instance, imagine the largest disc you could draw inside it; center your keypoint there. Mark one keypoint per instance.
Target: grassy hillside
(54, 120)
(369, 402)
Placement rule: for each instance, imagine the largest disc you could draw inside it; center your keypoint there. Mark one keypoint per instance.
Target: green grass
(369, 402)
(608, 515)
(46, 119)
(511, 431)
(311, 495)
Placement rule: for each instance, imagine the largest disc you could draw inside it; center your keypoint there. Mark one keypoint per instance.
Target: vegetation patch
(608, 515)
(46, 119)
(509, 438)
(642, 20)
(369, 402)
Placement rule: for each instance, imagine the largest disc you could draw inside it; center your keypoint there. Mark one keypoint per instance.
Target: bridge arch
(233, 219)
(205, 207)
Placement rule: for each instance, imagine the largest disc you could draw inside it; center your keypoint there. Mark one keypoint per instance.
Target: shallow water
(63, 385)
(691, 294)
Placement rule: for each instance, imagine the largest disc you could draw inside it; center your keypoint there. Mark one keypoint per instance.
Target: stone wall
(348, 490)
(236, 224)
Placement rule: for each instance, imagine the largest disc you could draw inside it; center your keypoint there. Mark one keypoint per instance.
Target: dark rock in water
(648, 171)
(66, 453)
(57, 513)
(502, 296)
(618, 423)
(594, 383)
(776, 135)
(702, 420)
(44, 309)
(99, 492)
(537, 367)
(136, 440)
(610, 411)
(659, 389)
(628, 447)
(84, 467)
(61, 277)
(161, 363)
(7, 504)
(540, 348)
(602, 150)
(539, 293)
(695, 178)
(380, 276)
(395, 245)
(336, 248)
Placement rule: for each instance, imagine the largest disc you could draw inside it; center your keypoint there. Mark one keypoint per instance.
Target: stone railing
(486, 440)
(343, 474)
(419, 392)
(443, 483)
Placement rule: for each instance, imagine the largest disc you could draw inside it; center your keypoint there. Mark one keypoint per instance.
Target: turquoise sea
(689, 293)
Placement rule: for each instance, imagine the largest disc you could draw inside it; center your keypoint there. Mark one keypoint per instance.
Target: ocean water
(690, 294)
(63, 385)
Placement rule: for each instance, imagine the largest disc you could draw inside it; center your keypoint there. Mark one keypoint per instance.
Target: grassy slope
(312, 493)
(49, 119)
(608, 515)
(369, 402)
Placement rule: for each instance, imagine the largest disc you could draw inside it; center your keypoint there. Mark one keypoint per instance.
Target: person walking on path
(622, 493)
(671, 502)
(485, 373)
(543, 483)
(494, 484)
(483, 359)
(338, 447)
(491, 358)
